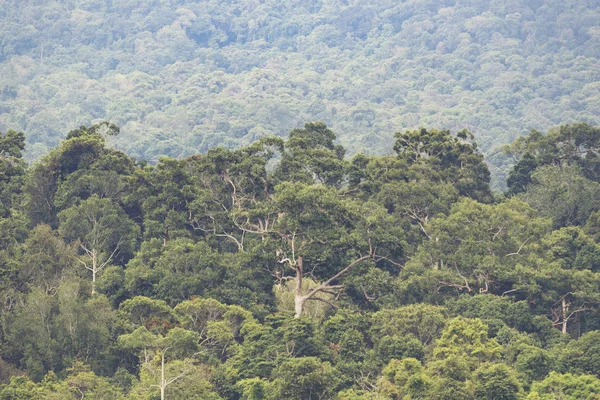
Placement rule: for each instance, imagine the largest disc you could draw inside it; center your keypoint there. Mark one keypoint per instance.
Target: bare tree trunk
(299, 298)
(299, 305)
(565, 310)
(94, 269)
(325, 287)
(162, 375)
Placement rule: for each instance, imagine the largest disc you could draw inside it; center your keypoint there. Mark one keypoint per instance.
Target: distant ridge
(182, 78)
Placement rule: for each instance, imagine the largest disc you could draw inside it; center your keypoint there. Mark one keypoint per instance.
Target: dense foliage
(283, 270)
(181, 76)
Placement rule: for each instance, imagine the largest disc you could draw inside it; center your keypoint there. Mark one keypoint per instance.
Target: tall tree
(230, 185)
(576, 144)
(311, 156)
(102, 232)
(79, 168)
(441, 156)
(478, 245)
(335, 235)
(562, 193)
(176, 343)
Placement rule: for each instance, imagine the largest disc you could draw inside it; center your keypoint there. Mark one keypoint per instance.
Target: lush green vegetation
(181, 76)
(283, 270)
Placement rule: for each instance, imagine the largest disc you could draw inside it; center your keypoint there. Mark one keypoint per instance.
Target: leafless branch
(324, 301)
(520, 248)
(369, 298)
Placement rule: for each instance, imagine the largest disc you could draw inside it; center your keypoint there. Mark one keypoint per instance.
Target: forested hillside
(182, 76)
(285, 270)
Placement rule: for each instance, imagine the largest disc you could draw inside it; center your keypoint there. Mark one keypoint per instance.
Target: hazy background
(180, 77)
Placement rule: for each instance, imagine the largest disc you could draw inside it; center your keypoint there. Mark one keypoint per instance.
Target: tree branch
(327, 284)
(518, 251)
(324, 301)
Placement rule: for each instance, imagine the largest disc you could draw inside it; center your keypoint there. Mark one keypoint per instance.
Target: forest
(182, 76)
(287, 270)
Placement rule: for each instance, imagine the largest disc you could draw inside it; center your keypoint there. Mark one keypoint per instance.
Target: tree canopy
(285, 270)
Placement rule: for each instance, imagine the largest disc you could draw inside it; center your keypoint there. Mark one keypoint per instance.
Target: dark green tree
(441, 156)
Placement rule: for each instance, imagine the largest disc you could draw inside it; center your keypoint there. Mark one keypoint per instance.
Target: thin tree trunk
(94, 269)
(299, 298)
(162, 375)
(565, 310)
